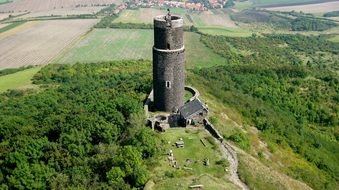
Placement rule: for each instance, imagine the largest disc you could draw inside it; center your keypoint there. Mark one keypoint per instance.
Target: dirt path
(232, 158)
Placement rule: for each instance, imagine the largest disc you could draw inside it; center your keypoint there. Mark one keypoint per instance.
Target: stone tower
(168, 63)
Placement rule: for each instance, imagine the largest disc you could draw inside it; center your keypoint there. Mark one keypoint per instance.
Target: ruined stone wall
(168, 63)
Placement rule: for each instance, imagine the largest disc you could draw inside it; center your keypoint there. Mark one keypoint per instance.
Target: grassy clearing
(19, 80)
(233, 32)
(212, 176)
(111, 44)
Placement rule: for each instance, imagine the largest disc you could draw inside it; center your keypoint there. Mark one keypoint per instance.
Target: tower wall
(168, 63)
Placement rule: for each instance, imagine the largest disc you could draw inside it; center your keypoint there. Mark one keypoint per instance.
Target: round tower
(168, 63)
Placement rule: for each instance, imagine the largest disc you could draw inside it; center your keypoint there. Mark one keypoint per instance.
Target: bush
(223, 162)
(241, 139)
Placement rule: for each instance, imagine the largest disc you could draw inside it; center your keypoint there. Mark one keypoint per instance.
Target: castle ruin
(168, 63)
(165, 106)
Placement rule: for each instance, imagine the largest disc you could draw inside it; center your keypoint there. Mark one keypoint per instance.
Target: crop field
(117, 44)
(3, 25)
(199, 19)
(212, 18)
(19, 80)
(63, 12)
(111, 44)
(36, 43)
(310, 8)
(44, 5)
(268, 3)
(142, 15)
(3, 16)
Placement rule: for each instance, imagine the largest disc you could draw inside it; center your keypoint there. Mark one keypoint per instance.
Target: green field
(19, 80)
(137, 16)
(198, 55)
(117, 44)
(10, 26)
(146, 15)
(233, 32)
(111, 44)
(212, 176)
(200, 19)
(5, 1)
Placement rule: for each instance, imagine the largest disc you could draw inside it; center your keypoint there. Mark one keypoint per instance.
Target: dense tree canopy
(84, 131)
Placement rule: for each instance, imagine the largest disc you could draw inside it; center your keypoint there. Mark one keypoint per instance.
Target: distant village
(196, 5)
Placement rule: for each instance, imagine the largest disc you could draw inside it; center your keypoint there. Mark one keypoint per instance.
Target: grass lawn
(19, 80)
(212, 176)
(233, 32)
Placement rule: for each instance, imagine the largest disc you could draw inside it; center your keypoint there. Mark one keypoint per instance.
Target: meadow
(117, 44)
(18, 80)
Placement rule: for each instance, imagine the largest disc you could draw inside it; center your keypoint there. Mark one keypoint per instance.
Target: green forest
(83, 129)
(287, 86)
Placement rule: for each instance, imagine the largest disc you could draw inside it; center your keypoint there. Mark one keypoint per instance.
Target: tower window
(168, 46)
(168, 84)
